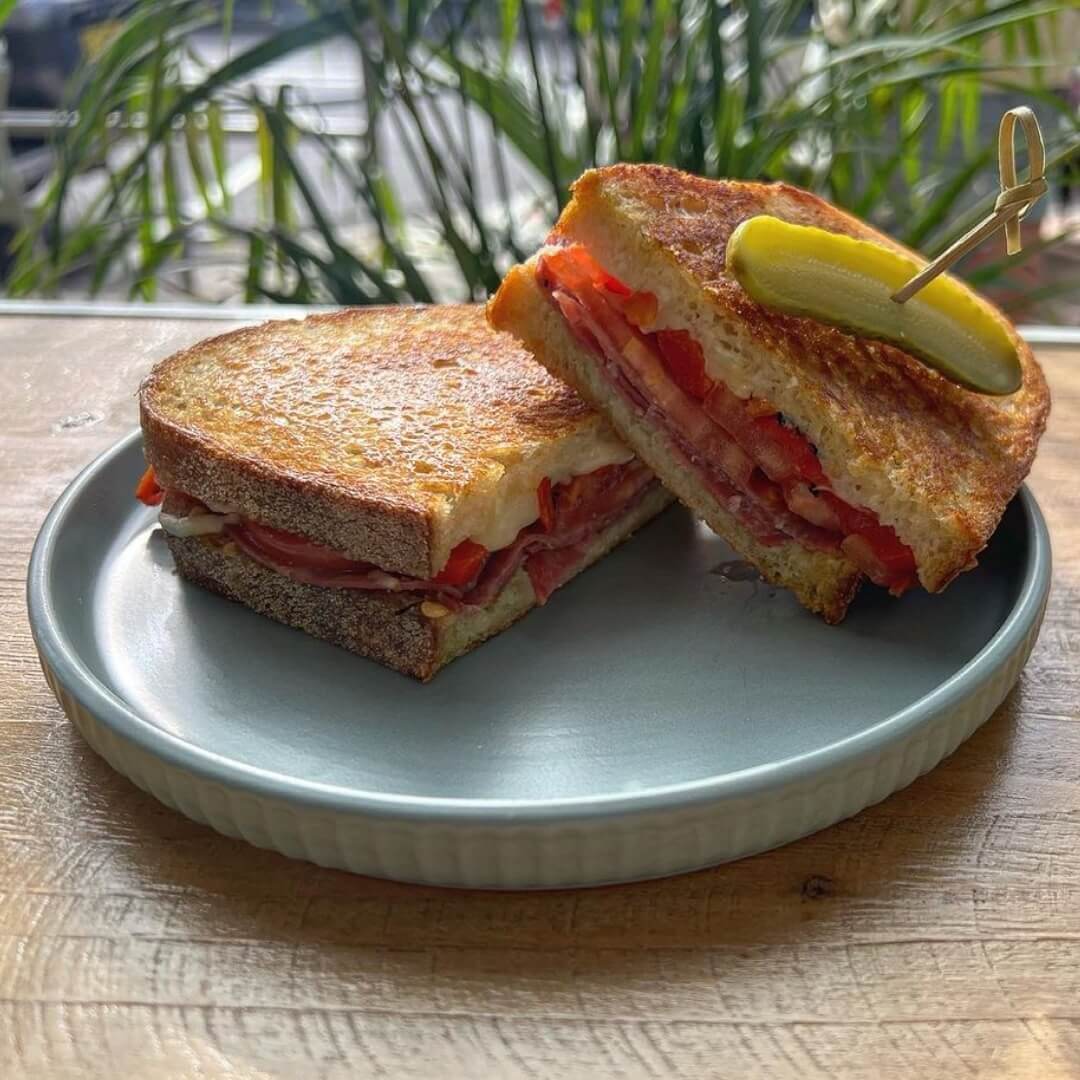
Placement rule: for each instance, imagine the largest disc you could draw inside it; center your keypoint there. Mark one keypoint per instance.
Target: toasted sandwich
(822, 457)
(405, 482)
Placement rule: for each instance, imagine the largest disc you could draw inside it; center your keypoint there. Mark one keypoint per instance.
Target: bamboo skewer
(1012, 205)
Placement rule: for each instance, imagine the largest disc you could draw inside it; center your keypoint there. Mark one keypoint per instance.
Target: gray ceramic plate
(656, 716)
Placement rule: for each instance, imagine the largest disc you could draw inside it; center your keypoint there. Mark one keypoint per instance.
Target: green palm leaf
(476, 108)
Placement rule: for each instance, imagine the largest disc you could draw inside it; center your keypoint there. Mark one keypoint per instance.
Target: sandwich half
(823, 458)
(404, 482)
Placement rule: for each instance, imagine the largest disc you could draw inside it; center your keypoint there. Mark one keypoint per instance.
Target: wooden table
(936, 934)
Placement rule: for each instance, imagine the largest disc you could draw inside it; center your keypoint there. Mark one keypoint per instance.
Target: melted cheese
(492, 517)
(196, 524)
(496, 515)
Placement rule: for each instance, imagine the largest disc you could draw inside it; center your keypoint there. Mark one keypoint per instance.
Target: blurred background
(361, 151)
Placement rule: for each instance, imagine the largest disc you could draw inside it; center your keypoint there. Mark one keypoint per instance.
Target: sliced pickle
(848, 283)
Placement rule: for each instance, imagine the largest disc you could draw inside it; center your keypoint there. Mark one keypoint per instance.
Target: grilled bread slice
(934, 462)
(381, 441)
(387, 434)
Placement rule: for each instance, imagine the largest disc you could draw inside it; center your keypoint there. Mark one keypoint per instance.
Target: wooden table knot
(818, 887)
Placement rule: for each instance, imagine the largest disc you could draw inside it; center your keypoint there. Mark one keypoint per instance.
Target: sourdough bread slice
(935, 461)
(387, 434)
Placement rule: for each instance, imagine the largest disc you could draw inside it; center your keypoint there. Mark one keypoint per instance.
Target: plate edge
(558, 854)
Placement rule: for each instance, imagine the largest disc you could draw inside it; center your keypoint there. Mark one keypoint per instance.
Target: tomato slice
(892, 556)
(881, 556)
(685, 362)
(570, 267)
(852, 520)
(782, 453)
(294, 550)
(812, 506)
(612, 284)
(463, 565)
(147, 490)
(546, 504)
(574, 268)
(795, 447)
(888, 549)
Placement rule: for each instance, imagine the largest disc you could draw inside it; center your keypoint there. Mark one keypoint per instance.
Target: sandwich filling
(551, 548)
(763, 470)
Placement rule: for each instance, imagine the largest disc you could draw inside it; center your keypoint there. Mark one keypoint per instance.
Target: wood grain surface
(937, 934)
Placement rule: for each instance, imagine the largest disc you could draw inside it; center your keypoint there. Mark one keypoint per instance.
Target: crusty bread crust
(365, 429)
(935, 461)
(384, 626)
(823, 582)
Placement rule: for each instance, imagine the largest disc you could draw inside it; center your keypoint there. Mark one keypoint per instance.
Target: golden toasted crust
(384, 626)
(935, 461)
(363, 429)
(823, 582)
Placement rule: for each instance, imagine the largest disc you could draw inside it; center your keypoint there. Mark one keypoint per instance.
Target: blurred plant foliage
(485, 113)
